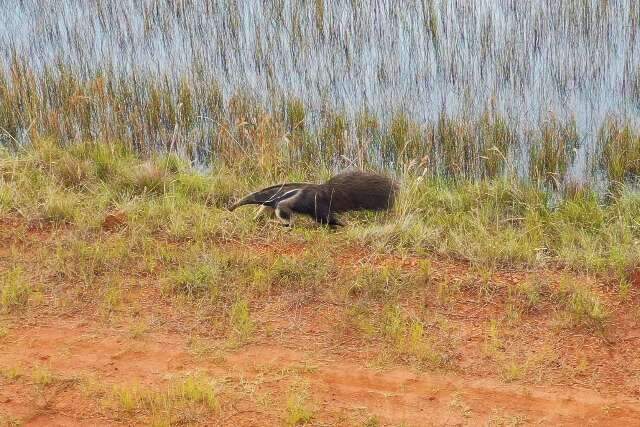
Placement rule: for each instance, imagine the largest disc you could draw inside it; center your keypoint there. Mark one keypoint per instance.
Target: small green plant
(112, 298)
(493, 342)
(7, 199)
(372, 421)
(299, 411)
(60, 207)
(425, 272)
(127, 397)
(527, 295)
(512, 313)
(393, 324)
(582, 305)
(446, 290)
(620, 146)
(196, 389)
(138, 328)
(586, 307)
(42, 376)
(261, 279)
(624, 288)
(163, 405)
(240, 320)
(11, 373)
(360, 317)
(418, 345)
(512, 372)
(15, 291)
(302, 272)
(196, 280)
(377, 282)
(506, 420)
(553, 150)
(10, 421)
(481, 278)
(71, 171)
(407, 337)
(200, 347)
(146, 178)
(498, 140)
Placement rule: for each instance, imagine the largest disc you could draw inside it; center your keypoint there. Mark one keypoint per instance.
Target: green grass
(298, 409)
(527, 296)
(293, 273)
(221, 270)
(175, 223)
(198, 390)
(14, 290)
(240, 321)
(197, 280)
(127, 397)
(42, 376)
(406, 337)
(553, 150)
(620, 146)
(512, 372)
(176, 228)
(378, 283)
(113, 298)
(12, 373)
(494, 221)
(183, 400)
(509, 222)
(583, 306)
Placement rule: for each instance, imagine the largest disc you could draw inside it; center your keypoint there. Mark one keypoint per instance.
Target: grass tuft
(240, 320)
(14, 290)
(42, 376)
(185, 400)
(196, 389)
(407, 338)
(298, 411)
(60, 207)
(196, 280)
(377, 282)
(147, 177)
(583, 307)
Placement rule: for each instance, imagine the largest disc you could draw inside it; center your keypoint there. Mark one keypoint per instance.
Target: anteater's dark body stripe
(350, 191)
(269, 196)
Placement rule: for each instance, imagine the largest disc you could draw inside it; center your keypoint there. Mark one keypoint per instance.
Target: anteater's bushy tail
(359, 190)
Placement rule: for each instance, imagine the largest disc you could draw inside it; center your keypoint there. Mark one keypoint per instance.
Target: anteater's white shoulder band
(284, 210)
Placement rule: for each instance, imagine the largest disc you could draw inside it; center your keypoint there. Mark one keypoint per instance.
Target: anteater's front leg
(284, 214)
(325, 217)
(335, 222)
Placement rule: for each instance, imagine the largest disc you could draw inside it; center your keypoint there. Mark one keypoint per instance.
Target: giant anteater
(348, 191)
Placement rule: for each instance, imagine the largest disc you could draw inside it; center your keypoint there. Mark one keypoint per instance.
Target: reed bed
(469, 90)
(199, 123)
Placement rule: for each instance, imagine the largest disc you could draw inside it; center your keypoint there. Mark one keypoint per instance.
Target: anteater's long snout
(235, 205)
(246, 200)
